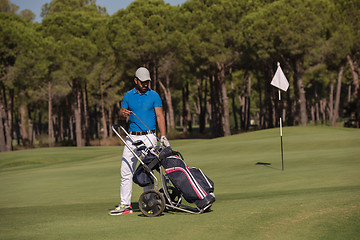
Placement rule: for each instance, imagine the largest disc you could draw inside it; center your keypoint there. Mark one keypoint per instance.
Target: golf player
(147, 106)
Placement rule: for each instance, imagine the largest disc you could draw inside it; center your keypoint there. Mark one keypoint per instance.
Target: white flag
(279, 80)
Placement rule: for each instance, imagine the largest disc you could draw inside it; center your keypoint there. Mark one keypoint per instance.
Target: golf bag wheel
(152, 203)
(174, 194)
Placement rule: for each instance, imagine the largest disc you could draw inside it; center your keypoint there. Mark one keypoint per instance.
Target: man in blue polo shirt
(147, 106)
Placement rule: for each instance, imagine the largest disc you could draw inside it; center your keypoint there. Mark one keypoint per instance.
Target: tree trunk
(337, 98)
(110, 121)
(188, 112)
(313, 114)
(56, 133)
(268, 104)
(71, 127)
(77, 115)
(200, 104)
(331, 101)
(275, 107)
(155, 78)
(9, 124)
(248, 102)
(356, 93)
(302, 100)
(103, 117)
(349, 94)
(2, 126)
(358, 110)
(355, 74)
(50, 121)
(168, 99)
(323, 110)
(98, 130)
(61, 131)
(202, 95)
(184, 110)
(23, 120)
(225, 101)
(86, 117)
(289, 106)
(233, 93)
(31, 132)
(204, 109)
(118, 107)
(261, 111)
(317, 114)
(6, 110)
(241, 109)
(216, 108)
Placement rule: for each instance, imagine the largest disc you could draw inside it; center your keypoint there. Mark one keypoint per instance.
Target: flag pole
(282, 150)
(281, 140)
(279, 80)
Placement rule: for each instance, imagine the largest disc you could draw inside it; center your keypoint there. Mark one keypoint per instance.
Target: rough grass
(65, 193)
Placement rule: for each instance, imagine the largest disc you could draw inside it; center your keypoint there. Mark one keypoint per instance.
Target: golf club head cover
(165, 141)
(166, 152)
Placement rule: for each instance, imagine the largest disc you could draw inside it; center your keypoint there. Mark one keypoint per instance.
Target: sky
(111, 5)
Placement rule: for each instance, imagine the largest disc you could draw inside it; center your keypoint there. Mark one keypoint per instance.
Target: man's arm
(160, 120)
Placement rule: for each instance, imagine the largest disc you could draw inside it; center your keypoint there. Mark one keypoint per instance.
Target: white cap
(143, 74)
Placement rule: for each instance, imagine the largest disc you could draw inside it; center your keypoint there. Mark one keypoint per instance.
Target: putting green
(65, 193)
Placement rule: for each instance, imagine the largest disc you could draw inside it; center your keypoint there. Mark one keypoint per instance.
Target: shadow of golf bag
(195, 186)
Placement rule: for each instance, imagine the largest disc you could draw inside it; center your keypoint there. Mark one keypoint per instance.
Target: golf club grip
(115, 125)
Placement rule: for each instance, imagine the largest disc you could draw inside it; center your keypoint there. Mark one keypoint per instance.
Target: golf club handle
(122, 129)
(148, 129)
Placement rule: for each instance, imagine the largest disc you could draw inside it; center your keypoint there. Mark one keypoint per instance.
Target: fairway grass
(65, 193)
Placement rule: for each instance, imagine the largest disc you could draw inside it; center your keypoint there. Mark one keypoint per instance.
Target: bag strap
(153, 163)
(179, 154)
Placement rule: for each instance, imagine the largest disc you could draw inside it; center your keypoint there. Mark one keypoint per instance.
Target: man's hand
(164, 141)
(125, 112)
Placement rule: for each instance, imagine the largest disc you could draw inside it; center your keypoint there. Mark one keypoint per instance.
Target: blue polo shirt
(143, 106)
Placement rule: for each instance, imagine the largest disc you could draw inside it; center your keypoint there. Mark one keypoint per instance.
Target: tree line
(211, 61)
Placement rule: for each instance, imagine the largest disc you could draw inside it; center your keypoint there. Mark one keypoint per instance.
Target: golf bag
(143, 177)
(178, 181)
(195, 186)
